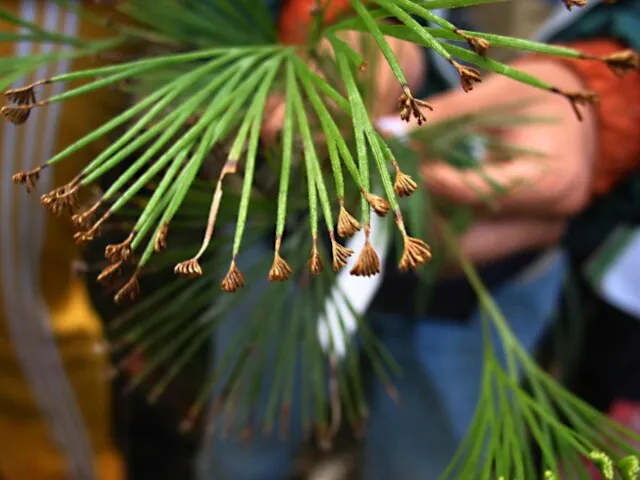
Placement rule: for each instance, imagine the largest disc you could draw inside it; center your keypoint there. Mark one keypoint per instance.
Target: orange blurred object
(296, 17)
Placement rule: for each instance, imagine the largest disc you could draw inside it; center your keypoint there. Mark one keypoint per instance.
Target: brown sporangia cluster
(21, 102)
(233, 280)
(578, 99)
(368, 263)
(315, 260)
(411, 107)
(468, 75)
(377, 203)
(189, 268)
(107, 275)
(82, 220)
(622, 62)
(477, 44)
(415, 251)
(28, 179)
(339, 253)
(63, 199)
(347, 223)
(118, 255)
(403, 185)
(130, 290)
(160, 242)
(280, 269)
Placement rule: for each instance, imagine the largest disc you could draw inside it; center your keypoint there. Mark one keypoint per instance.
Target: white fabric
(620, 284)
(350, 295)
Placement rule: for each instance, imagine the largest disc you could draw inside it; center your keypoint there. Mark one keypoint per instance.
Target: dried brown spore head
(160, 242)
(315, 261)
(340, 255)
(347, 224)
(189, 268)
(53, 204)
(29, 179)
(368, 263)
(21, 96)
(129, 291)
(85, 219)
(280, 269)
(119, 251)
(379, 204)
(578, 99)
(84, 238)
(411, 107)
(415, 253)
(622, 62)
(477, 44)
(109, 273)
(24, 95)
(404, 185)
(64, 198)
(233, 280)
(16, 114)
(468, 76)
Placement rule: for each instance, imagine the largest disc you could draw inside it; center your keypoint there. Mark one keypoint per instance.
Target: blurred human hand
(557, 185)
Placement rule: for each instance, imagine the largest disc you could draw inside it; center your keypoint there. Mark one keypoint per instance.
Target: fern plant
(201, 83)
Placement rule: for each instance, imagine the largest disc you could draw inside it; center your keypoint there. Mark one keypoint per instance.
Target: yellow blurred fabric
(54, 387)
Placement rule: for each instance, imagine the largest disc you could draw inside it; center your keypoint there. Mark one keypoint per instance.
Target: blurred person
(55, 393)
(597, 192)
(515, 246)
(583, 198)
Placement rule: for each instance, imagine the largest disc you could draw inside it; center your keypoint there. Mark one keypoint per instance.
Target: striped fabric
(54, 394)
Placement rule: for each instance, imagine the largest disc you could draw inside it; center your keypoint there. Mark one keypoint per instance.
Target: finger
(497, 89)
(555, 184)
(474, 187)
